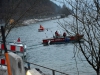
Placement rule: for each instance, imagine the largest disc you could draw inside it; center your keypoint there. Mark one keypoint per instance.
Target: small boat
(41, 28)
(62, 40)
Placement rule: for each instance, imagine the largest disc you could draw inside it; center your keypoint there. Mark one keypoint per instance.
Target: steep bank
(28, 9)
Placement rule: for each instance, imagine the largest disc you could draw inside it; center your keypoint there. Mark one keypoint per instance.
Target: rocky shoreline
(32, 21)
(28, 21)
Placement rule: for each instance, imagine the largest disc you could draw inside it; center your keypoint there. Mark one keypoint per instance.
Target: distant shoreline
(26, 22)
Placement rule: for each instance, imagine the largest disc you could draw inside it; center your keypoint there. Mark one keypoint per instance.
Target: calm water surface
(58, 57)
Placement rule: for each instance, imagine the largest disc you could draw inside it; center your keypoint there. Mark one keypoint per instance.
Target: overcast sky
(58, 2)
(61, 2)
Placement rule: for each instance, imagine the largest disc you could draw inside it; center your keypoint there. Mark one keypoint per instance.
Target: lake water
(59, 57)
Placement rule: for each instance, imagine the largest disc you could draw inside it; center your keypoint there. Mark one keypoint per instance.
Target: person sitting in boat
(64, 34)
(41, 27)
(77, 36)
(57, 34)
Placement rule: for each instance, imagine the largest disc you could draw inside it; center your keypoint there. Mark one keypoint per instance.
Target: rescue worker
(56, 34)
(77, 36)
(41, 27)
(64, 34)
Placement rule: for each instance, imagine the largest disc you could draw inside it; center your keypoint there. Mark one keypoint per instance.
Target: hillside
(28, 8)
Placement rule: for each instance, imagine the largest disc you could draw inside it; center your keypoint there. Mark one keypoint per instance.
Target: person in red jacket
(41, 27)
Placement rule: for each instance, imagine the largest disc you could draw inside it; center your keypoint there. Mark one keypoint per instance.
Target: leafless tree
(11, 12)
(86, 20)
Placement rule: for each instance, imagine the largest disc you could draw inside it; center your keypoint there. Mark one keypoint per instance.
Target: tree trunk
(98, 72)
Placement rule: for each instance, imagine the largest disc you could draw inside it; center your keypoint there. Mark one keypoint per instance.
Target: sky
(59, 2)
(62, 2)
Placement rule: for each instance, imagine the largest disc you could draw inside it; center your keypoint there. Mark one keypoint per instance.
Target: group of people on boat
(59, 35)
(64, 35)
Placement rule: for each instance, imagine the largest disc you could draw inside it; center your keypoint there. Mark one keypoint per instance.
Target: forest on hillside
(29, 9)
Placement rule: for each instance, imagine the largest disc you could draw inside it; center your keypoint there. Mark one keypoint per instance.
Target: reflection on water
(58, 57)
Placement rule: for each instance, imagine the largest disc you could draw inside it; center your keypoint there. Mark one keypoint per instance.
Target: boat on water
(12, 64)
(18, 66)
(41, 29)
(62, 39)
